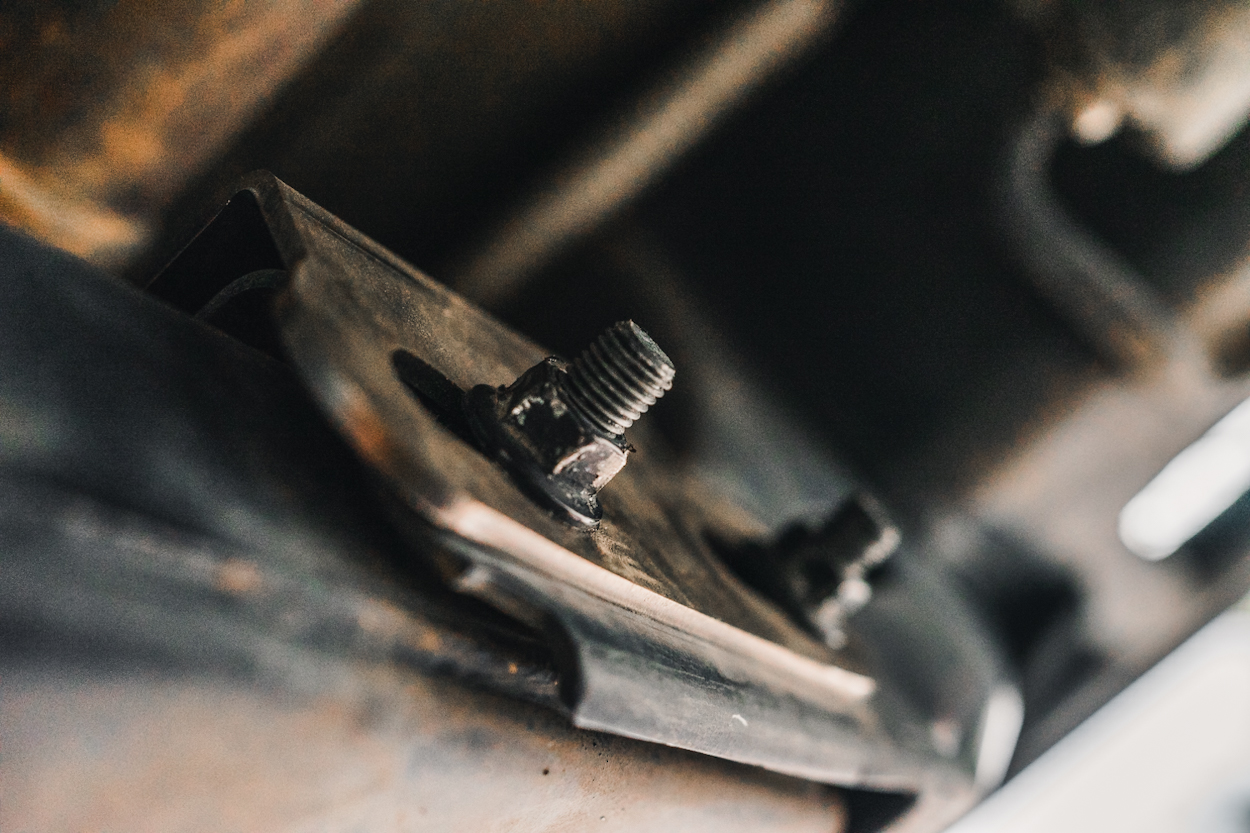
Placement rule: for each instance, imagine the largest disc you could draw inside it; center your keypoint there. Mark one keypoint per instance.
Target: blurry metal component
(938, 668)
(1178, 71)
(424, 119)
(1084, 469)
(1090, 284)
(110, 109)
(643, 141)
(1118, 769)
(559, 430)
(856, 540)
(1193, 489)
(821, 575)
(1087, 466)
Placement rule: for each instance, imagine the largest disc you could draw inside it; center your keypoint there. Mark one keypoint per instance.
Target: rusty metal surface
(121, 120)
(395, 752)
(109, 109)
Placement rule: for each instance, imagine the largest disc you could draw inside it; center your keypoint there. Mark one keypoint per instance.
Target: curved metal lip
(475, 521)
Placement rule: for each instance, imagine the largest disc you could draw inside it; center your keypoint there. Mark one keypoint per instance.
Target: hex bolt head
(559, 429)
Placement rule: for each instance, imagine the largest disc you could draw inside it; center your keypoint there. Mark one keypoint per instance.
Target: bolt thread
(617, 378)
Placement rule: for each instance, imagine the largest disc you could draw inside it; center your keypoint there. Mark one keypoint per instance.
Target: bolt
(558, 429)
(617, 378)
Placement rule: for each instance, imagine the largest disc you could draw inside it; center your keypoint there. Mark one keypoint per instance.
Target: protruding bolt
(822, 576)
(558, 428)
(617, 378)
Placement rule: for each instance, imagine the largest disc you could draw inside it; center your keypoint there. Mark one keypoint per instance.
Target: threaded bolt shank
(617, 378)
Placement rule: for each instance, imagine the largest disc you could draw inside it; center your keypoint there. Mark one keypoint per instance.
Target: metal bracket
(662, 642)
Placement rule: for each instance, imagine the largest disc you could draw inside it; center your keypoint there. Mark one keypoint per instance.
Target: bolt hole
(438, 394)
